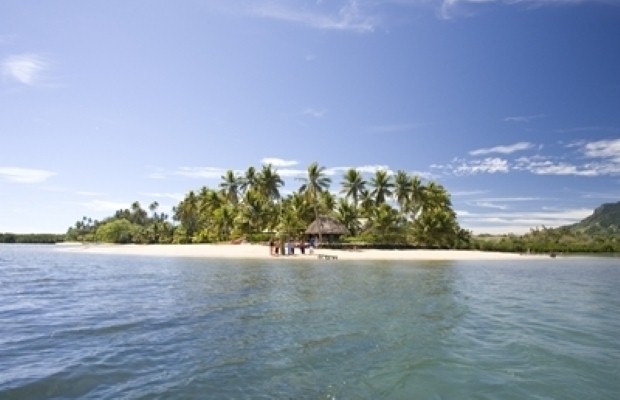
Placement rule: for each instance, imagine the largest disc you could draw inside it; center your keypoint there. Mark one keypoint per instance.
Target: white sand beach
(253, 251)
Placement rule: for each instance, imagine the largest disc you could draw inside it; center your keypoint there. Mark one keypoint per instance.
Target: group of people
(289, 248)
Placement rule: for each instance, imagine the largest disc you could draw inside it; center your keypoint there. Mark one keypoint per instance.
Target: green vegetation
(598, 233)
(250, 206)
(387, 211)
(31, 238)
(133, 225)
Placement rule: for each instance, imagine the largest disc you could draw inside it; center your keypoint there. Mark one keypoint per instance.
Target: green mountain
(604, 220)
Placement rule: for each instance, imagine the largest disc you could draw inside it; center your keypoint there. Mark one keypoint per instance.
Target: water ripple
(108, 327)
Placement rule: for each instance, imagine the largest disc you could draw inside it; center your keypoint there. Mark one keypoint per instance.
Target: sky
(512, 105)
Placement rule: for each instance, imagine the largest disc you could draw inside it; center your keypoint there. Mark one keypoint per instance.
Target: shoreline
(257, 252)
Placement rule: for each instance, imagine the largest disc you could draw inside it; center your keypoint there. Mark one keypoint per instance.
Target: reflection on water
(108, 327)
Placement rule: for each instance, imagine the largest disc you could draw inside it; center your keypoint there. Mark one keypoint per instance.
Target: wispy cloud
(519, 222)
(604, 149)
(104, 205)
(509, 149)
(523, 118)
(487, 204)
(549, 167)
(452, 8)
(461, 167)
(314, 112)
(158, 195)
(200, 172)
(603, 158)
(25, 175)
(89, 194)
(348, 17)
(278, 162)
(24, 68)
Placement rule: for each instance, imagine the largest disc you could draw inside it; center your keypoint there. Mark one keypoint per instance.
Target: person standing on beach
(302, 246)
(271, 246)
(291, 248)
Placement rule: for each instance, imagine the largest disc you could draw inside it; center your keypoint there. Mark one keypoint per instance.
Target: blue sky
(512, 105)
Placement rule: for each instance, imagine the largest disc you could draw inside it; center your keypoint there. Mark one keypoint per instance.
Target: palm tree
(253, 211)
(416, 195)
(402, 191)
(269, 182)
(347, 215)
(327, 202)
(353, 184)
(249, 180)
(230, 186)
(367, 203)
(315, 183)
(384, 220)
(382, 184)
(435, 196)
(186, 213)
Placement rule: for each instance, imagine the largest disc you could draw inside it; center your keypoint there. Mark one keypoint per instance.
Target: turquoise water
(118, 327)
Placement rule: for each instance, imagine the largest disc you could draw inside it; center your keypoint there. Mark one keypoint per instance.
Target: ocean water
(117, 327)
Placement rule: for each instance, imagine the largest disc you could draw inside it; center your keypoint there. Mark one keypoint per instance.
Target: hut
(330, 229)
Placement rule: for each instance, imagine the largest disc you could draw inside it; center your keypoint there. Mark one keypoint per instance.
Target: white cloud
(313, 112)
(25, 175)
(549, 167)
(104, 205)
(509, 149)
(89, 194)
(606, 149)
(200, 172)
(486, 204)
(278, 162)
(519, 222)
(348, 17)
(291, 173)
(24, 68)
(451, 8)
(473, 167)
(604, 155)
(522, 118)
(173, 196)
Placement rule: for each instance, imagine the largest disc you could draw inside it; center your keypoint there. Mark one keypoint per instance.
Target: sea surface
(80, 326)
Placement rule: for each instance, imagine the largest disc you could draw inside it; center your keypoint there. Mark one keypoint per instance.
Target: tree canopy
(397, 209)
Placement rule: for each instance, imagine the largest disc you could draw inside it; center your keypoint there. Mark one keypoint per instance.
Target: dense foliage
(133, 225)
(31, 238)
(388, 209)
(598, 233)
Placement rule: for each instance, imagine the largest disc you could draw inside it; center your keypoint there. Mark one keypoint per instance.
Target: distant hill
(604, 220)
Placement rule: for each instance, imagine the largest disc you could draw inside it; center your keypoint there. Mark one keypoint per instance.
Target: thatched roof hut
(328, 226)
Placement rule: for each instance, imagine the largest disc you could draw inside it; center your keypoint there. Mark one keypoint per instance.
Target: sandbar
(257, 251)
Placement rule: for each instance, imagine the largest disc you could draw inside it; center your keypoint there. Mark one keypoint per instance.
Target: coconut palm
(249, 180)
(269, 182)
(382, 186)
(402, 191)
(416, 195)
(253, 211)
(315, 183)
(353, 184)
(327, 202)
(435, 196)
(347, 215)
(367, 203)
(187, 213)
(230, 186)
